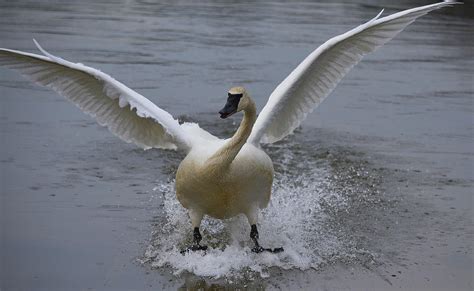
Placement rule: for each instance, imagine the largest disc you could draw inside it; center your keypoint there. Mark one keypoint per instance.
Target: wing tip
(44, 52)
(380, 13)
(41, 49)
(375, 18)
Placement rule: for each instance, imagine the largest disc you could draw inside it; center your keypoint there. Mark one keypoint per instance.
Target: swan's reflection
(194, 283)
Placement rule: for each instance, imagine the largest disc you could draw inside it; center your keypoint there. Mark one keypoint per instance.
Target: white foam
(294, 220)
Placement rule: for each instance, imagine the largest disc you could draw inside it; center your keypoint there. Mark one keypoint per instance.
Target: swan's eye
(234, 96)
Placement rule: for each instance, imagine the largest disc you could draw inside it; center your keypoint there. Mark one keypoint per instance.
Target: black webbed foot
(196, 243)
(194, 248)
(257, 248)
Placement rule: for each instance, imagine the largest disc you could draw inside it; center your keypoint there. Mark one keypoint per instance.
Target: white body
(244, 188)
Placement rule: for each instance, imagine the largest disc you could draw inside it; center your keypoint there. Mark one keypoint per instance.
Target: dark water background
(78, 207)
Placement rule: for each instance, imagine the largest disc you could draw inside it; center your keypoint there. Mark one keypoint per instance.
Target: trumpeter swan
(219, 178)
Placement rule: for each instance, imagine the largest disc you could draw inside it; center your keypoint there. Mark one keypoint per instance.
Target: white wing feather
(314, 78)
(126, 113)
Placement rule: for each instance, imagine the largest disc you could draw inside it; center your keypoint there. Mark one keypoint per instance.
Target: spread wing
(314, 78)
(123, 111)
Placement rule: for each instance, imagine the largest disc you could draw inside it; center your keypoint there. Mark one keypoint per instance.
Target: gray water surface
(389, 153)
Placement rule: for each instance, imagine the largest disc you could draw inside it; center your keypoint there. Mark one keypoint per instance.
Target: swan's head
(237, 100)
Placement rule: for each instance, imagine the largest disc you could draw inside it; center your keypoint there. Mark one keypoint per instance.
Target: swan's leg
(196, 217)
(254, 236)
(252, 218)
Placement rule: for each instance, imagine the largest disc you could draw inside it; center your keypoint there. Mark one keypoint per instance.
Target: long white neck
(222, 159)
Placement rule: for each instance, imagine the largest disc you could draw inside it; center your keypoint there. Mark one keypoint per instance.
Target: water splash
(299, 218)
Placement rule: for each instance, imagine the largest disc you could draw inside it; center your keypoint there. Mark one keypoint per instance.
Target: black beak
(227, 111)
(231, 105)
